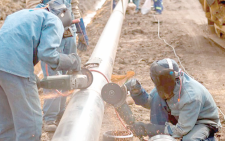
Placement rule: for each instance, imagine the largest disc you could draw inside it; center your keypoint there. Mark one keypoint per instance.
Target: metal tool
(78, 80)
(116, 96)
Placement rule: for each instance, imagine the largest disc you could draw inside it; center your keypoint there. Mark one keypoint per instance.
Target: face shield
(164, 80)
(58, 8)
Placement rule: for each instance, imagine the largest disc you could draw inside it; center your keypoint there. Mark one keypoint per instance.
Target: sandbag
(146, 7)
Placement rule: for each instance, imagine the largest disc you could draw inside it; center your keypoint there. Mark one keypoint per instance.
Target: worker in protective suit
(113, 4)
(54, 108)
(180, 106)
(158, 6)
(136, 2)
(26, 37)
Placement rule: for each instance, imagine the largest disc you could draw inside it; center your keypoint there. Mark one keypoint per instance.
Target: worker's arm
(51, 36)
(30, 4)
(144, 99)
(187, 120)
(188, 116)
(75, 9)
(139, 95)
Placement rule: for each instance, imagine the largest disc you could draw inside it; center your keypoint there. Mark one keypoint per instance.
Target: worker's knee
(200, 132)
(185, 138)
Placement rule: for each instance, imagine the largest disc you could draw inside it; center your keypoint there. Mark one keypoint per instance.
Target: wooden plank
(205, 6)
(217, 40)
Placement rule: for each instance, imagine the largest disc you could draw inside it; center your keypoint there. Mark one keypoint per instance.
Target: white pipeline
(83, 116)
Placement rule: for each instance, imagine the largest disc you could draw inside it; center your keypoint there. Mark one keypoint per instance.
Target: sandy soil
(184, 26)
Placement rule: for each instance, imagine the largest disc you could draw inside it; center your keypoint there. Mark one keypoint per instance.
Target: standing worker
(136, 2)
(54, 108)
(113, 4)
(180, 106)
(26, 37)
(158, 6)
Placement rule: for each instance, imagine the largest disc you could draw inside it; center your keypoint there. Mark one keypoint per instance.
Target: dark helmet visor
(164, 80)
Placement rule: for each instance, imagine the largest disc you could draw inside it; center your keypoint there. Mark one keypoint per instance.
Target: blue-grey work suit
(54, 108)
(137, 2)
(26, 37)
(195, 115)
(158, 5)
(114, 4)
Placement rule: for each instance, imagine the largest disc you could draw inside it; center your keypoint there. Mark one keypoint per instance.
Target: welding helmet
(59, 8)
(163, 74)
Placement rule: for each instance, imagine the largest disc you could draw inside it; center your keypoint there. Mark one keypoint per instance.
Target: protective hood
(58, 8)
(164, 78)
(41, 5)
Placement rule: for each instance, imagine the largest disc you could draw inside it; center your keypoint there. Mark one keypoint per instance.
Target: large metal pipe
(82, 119)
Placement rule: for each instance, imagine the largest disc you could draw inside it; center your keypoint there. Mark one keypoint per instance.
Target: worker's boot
(50, 126)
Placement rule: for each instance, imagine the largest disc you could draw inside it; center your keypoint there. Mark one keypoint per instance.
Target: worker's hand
(154, 129)
(133, 86)
(83, 38)
(68, 62)
(138, 129)
(72, 72)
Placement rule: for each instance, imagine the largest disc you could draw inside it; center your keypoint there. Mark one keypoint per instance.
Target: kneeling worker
(180, 106)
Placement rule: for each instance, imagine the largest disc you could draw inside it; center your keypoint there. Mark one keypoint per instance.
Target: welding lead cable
(170, 46)
(221, 113)
(180, 89)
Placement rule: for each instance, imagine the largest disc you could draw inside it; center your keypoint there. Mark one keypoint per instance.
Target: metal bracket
(92, 63)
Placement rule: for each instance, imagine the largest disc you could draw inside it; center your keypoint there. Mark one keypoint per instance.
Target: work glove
(154, 129)
(134, 87)
(138, 129)
(72, 72)
(69, 62)
(143, 129)
(83, 38)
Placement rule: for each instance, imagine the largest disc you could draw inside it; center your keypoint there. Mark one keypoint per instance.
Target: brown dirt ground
(184, 26)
